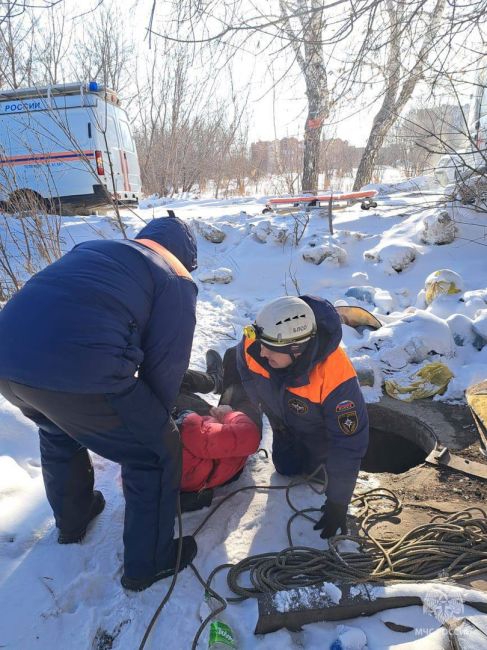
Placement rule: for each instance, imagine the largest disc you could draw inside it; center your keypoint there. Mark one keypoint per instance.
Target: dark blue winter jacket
(105, 311)
(316, 401)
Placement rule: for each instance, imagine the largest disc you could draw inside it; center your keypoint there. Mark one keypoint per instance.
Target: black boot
(214, 368)
(75, 536)
(191, 501)
(188, 552)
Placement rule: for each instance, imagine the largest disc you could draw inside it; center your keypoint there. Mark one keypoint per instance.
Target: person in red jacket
(216, 440)
(215, 447)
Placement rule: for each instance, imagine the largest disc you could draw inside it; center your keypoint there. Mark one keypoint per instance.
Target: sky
(274, 95)
(70, 597)
(272, 112)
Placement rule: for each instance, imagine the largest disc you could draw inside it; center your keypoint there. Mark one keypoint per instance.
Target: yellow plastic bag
(431, 380)
(442, 282)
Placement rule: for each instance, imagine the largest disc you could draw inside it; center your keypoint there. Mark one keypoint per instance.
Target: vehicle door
(110, 146)
(129, 159)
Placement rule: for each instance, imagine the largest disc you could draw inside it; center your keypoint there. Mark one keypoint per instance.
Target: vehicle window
(112, 137)
(128, 143)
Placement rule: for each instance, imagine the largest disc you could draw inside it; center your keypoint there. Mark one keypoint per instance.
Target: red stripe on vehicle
(125, 171)
(44, 158)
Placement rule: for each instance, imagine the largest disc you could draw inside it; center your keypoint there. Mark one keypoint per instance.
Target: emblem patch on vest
(346, 405)
(297, 406)
(348, 422)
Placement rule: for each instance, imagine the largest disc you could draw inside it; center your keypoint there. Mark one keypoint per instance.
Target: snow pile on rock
(380, 298)
(210, 232)
(327, 251)
(394, 257)
(480, 324)
(345, 235)
(476, 299)
(364, 294)
(461, 327)
(438, 228)
(266, 231)
(412, 339)
(221, 275)
(368, 370)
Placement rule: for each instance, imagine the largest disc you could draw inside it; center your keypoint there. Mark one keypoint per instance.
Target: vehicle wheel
(365, 206)
(373, 204)
(53, 206)
(266, 210)
(25, 202)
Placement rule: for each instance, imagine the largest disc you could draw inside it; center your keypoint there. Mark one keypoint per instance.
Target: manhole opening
(397, 441)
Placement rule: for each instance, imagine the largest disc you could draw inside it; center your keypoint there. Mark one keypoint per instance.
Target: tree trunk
(308, 49)
(312, 140)
(380, 129)
(399, 88)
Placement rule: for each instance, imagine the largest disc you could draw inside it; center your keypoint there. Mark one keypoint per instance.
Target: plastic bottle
(221, 636)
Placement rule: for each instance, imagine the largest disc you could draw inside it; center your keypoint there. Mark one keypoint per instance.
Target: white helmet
(285, 321)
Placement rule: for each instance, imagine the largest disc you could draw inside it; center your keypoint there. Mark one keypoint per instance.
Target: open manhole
(397, 441)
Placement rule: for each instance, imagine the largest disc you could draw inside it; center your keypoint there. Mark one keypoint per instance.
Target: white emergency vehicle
(66, 146)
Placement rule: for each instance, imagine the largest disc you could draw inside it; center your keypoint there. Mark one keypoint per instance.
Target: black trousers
(194, 381)
(128, 428)
(233, 394)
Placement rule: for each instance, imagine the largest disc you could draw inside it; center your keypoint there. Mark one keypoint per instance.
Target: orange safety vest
(325, 376)
(177, 266)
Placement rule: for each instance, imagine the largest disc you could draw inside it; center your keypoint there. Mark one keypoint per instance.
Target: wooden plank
(316, 605)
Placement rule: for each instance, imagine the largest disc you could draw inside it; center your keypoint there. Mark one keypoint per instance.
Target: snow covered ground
(70, 596)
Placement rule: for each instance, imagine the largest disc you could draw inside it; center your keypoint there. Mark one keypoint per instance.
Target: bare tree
(105, 51)
(414, 141)
(308, 29)
(27, 244)
(186, 135)
(52, 45)
(16, 44)
(308, 49)
(412, 32)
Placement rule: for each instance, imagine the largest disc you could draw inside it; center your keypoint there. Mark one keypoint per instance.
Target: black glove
(334, 517)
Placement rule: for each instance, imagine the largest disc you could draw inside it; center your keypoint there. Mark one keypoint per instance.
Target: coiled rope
(453, 546)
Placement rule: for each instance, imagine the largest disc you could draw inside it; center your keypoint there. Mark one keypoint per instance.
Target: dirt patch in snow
(426, 491)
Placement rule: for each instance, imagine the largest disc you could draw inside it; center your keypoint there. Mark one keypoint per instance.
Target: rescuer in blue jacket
(290, 364)
(93, 350)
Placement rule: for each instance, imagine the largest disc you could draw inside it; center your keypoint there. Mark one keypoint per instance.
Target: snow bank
(412, 339)
(394, 256)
